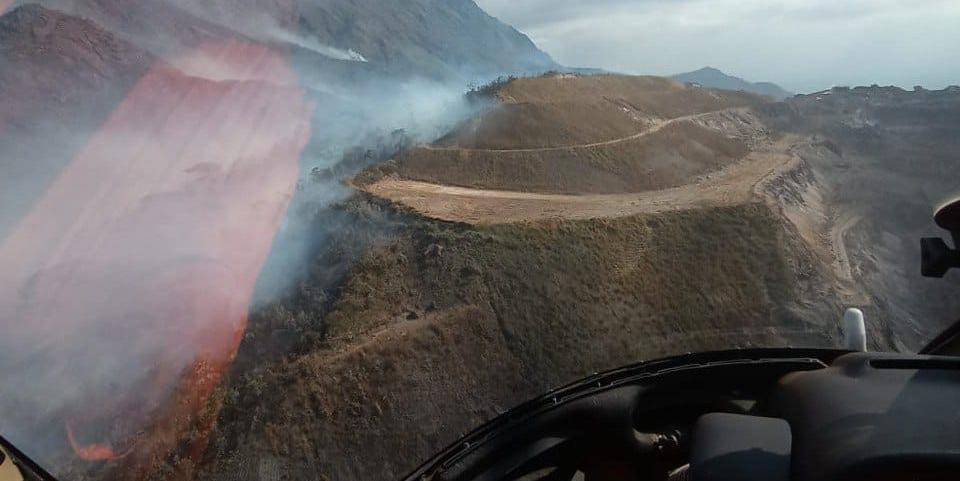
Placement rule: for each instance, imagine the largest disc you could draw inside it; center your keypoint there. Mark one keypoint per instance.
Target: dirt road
(654, 128)
(729, 186)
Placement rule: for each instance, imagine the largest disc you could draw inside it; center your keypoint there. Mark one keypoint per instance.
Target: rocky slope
(886, 158)
(427, 38)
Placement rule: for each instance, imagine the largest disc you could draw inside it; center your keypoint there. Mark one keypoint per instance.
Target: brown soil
(667, 155)
(655, 127)
(730, 186)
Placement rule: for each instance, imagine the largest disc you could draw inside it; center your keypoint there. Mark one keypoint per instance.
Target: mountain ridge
(427, 38)
(715, 78)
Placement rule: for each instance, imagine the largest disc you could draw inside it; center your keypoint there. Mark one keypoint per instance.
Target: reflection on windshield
(131, 277)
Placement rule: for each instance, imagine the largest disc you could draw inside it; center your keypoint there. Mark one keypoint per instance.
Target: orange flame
(94, 452)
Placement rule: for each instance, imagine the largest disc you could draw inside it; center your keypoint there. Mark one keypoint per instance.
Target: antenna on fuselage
(936, 257)
(854, 330)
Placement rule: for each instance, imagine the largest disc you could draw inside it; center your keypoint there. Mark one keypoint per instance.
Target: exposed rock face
(882, 160)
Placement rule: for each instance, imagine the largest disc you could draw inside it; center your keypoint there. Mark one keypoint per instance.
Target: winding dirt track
(729, 186)
(654, 128)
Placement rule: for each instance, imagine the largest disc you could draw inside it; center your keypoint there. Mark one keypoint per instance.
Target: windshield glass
(323, 239)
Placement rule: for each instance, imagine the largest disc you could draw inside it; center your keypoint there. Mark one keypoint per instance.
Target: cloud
(802, 44)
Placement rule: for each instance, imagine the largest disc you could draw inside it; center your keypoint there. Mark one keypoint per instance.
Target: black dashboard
(780, 414)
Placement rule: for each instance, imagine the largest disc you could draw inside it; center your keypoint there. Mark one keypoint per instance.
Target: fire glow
(94, 452)
(130, 279)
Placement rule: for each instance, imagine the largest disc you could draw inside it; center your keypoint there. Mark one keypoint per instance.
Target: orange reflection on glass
(130, 279)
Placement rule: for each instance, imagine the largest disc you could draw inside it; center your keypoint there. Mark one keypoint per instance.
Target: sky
(802, 45)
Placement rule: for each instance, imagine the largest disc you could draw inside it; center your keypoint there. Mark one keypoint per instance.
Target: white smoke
(281, 35)
(120, 330)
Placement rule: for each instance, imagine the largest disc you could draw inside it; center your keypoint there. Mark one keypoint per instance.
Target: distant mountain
(713, 78)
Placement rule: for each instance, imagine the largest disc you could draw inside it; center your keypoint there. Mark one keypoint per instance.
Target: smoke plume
(129, 276)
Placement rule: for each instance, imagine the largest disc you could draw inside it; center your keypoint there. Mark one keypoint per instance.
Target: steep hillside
(713, 78)
(890, 159)
(424, 36)
(856, 171)
(437, 327)
(428, 311)
(427, 38)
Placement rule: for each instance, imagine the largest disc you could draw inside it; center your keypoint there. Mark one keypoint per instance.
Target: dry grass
(556, 111)
(571, 288)
(670, 157)
(594, 129)
(443, 326)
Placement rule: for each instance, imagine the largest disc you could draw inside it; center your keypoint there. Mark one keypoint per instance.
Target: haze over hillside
(711, 77)
(152, 155)
(421, 37)
(264, 240)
